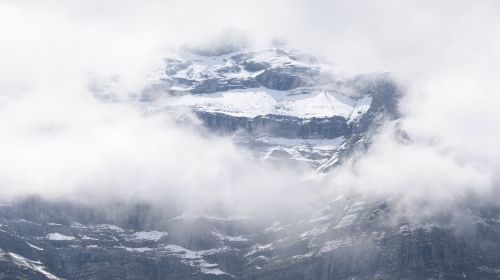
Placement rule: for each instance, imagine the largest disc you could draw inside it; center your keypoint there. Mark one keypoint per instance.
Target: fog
(59, 141)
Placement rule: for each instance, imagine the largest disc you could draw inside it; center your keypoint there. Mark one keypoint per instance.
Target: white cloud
(58, 140)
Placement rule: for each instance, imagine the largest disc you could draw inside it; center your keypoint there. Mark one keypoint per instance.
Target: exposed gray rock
(287, 78)
(345, 239)
(278, 126)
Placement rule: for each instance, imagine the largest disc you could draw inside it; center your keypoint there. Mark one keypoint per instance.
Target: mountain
(285, 107)
(344, 239)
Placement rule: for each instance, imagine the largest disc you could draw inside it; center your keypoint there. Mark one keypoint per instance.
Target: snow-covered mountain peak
(273, 93)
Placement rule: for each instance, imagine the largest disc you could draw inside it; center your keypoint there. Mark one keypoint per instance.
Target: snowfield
(194, 259)
(59, 237)
(148, 235)
(262, 101)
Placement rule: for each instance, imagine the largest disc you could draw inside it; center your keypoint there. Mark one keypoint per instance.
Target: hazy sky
(58, 140)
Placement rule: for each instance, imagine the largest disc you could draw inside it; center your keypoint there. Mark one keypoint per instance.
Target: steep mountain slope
(285, 107)
(344, 239)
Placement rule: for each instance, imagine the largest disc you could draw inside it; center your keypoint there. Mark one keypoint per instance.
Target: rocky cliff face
(278, 102)
(344, 239)
(281, 105)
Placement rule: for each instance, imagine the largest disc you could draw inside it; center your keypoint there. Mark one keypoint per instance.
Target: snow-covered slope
(262, 101)
(276, 94)
(254, 83)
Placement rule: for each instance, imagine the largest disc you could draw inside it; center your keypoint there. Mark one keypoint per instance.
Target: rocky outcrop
(344, 239)
(287, 78)
(277, 126)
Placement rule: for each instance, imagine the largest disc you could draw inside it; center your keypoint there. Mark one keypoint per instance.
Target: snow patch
(262, 101)
(88, 238)
(357, 206)
(138, 250)
(335, 244)
(194, 259)
(347, 220)
(221, 236)
(17, 220)
(321, 219)
(77, 225)
(299, 257)
(32, 265)
(34, 247)
(274, 228)
(314, 232)
(321, 144)
(149, 235)
(404, 230)
(109, 227)
(360, 108)
(214, 251)
(59, 237)
(259, 248)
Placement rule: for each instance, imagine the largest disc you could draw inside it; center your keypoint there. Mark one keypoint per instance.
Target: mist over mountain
(249, 140)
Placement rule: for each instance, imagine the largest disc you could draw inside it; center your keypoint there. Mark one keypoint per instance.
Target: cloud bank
(59, 141)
